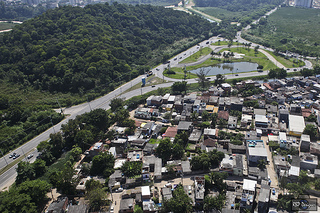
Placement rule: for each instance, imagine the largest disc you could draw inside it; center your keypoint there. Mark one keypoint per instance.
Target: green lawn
(221, 43)
(195, 57)
(289, 63)
(251, 56)
(290, 28)
(6, 26)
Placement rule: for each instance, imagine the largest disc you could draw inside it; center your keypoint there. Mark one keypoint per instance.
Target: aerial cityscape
(160, 106)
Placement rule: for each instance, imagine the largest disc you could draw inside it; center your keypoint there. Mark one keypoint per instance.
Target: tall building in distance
(303, 3)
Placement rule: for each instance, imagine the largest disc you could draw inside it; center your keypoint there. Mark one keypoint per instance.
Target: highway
(103, 102)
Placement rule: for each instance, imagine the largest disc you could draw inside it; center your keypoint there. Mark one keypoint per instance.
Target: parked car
(273, 191)
(12, 155)
(16, 156)
(30, 156)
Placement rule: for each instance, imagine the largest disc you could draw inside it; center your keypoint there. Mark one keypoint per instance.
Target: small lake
(228, 68)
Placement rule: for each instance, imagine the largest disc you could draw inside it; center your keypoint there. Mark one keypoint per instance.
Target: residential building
(127, 205)
(58, 206)
(305, 143)
(256, 151)
(264, 199)
(185, 126)
(195, 136)
(296, 125)
(232, 122)
(248, 194)
(199, 189)
(238, 165)
(308, 161)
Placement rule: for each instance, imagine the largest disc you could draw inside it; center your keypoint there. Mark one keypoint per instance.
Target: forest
(70, 55)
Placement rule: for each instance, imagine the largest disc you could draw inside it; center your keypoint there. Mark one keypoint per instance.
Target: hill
(71, 54)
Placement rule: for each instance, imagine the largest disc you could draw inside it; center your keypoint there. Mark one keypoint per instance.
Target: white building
(303, 3)
(296, 125)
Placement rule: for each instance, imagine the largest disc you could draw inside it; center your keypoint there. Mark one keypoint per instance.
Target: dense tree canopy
(78, 49)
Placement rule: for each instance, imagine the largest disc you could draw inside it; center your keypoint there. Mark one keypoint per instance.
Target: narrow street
(270, 168)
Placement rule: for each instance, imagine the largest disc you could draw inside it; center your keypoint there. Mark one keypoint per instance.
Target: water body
(228, 68)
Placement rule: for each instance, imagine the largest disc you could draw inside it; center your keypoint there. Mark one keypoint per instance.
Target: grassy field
(290, 28)
(221, 43)
(252, 56)
(6, 26)
(220, 13)
(195, 57)
(289, 63)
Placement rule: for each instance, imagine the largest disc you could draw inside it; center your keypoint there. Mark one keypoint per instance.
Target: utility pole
(4, 157)
(89, 103)
(24, 154)
(59, 106)
(52, 125)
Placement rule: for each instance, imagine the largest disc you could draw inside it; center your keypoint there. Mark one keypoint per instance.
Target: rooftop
(249, 185)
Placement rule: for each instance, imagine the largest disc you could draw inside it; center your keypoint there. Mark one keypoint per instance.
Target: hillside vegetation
(289, 28)
(70, 55)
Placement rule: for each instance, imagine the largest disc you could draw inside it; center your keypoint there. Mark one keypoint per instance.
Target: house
(273, 109)
(296, 125)
(259, 112)
(58, 206)
(127, 205)
(284, 115)
(294, 173)
(143, 113)
(264, 199)
(226, 164)
(195, 136)
(166, 193)
(184, 126)
(209, 142)
(283, 140)
(248, 194)
(165, 98)
(256, 151)
(305, 143)
(152, 164)
(146, 128)
(308, 161)
(210, 133)
(149, 206)
(280, 163)
(186, 168)
(170, 132)
(154, 100)
(246, 120)
(238, 165)
(232, 122)
(261, 121)
(199, 189)
(149, 148)
(236, 104)
(237, 149)
(94, 150)
(135, 155)
(78, 209)
(145, 192)
(223, 115)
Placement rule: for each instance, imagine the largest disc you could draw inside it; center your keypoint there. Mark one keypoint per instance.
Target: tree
(57, 144)
(25, 171)
(65, 182)
(261, 164)
(179, 87)
(179, 203)
(163, 151)
(95, 194)
(131, 168)
(13, 202)
(36, 189)
(39, 167)
(103, 164)
(177, 151)
(202, 80)
(311, 130)
(216, 203)
(219, 79)
(116, 104)
(76, 153)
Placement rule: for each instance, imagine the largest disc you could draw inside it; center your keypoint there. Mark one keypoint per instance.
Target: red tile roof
(171, 132)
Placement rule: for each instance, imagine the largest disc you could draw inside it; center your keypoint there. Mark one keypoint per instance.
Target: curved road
(29, 148)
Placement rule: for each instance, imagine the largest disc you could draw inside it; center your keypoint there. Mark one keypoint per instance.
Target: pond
(228, 68)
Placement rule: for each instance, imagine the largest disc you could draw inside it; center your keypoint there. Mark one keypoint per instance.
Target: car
(157, 69)
(288, 69)
(273, 191)
(30, 156)
(180, 57)
(120, 190)
(12, 155)
(16, 156)
(236, 74)
(260, 70)
(111, 209)
(294, 69)
(208, 78)
(175, 59)
(153, 85)
(207, 42)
